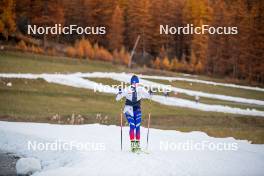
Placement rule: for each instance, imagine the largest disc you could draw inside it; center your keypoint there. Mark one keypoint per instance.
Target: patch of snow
(242, 160)
(9, 84)
(27, 166)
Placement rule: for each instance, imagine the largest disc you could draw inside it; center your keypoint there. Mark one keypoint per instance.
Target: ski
(142, 151)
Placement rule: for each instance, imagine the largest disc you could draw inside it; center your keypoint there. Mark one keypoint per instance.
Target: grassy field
(17, 62)
(38, 101)
(11, 62)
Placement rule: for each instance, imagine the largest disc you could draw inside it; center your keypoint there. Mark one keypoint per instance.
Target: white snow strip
(171, 101)
(207, 95)
(201, 81)
(124, 77)
(79, 82)
(233, 157)
(76, 80)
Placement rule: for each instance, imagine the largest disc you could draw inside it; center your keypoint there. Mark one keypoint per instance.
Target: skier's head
(134, 80)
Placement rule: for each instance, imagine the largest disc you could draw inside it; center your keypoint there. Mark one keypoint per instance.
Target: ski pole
(148, 130)
(121, 125)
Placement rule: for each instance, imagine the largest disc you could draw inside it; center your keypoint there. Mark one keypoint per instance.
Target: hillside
(26, 99)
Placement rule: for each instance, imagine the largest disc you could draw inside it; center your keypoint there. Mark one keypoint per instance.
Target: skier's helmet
(134, 80)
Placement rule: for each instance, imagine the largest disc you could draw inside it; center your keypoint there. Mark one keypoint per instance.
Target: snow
(77, 80)
(241, 159)
(9, 84)
(208, 95)
(171, 101)
(124, 77)
(201, 81)
(27, 166)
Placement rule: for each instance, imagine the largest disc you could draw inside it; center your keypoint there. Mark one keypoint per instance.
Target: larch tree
(47, 13)
(198, 13)
(116, 30)
(7, 17)
(139, 23)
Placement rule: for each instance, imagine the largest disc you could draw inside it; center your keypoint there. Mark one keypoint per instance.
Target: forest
(239, 56)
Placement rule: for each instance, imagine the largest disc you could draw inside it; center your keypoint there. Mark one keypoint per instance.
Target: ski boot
(137, 144)
(133, 146)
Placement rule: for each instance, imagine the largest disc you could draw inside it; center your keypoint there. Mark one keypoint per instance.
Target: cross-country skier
(133, 94)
